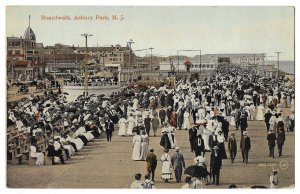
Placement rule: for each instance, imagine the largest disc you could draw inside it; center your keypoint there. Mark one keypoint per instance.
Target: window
(9, 52)
(17, 52)
(212, 66)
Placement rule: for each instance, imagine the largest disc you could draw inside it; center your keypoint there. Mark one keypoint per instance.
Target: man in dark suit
(212, 140)
(192, 137)
(199, 145)
(109, 126)
(271, 137)
(232, 147)
(268, 115)
(180, 118)
(162, 115)
(243, 122)
(169, 112)
(225, 128)
(245, 146)
(215, 164)
(178, 164)
(151, 163)
(147, 123)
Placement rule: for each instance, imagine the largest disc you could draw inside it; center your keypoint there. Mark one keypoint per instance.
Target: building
(99, 58)
(24, 56)
(209, 62)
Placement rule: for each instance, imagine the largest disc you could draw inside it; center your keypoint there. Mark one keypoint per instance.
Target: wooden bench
(17, 159)
(26, 154)
(31, 160)
(48, 161)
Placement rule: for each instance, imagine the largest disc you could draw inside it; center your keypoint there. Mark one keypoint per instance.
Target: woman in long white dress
(232, 118)
(78, 142)
(205, 136)
(122, 127)
(144, 145)
(186, 120)
(260, 113)
(272, 122)
(136, 145)
(171, 137)
(40, 158)
(135, 104)
(131, 124)
(88, 134)
(166, 173)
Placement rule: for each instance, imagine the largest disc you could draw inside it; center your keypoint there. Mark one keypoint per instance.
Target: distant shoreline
(286, 66)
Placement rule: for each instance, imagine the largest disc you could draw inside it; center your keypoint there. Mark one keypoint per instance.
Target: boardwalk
(109, 165)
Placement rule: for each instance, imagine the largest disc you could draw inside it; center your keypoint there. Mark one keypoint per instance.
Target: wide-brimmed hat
(245, 133)
(176, 148)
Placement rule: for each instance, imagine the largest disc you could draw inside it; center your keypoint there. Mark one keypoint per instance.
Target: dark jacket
(151, 161)
(232, 144)
(169, 112)
(267, 117)
(215, 162)
(243, 122)
(165, 142)
(271, 137)
(109, 126)
(212, 142)
(51, 151)
(192, 133)
(162, 114)
(280, 138)
(198, 144)
(147, 122)
(245, 143)
(225, 126)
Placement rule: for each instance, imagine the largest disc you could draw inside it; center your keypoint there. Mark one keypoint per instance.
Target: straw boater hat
(245, 133)
(176, 149)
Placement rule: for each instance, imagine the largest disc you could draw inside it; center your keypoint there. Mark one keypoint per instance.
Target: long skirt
(166, 173)
(40, 159)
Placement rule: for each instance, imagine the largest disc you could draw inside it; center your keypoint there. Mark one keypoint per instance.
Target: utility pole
(263, 63)
(200, 63)
(178, 62)
(254, 63)
(130, 43)
(85, 65)
(151, 63)
(277, 68)
(55, 67)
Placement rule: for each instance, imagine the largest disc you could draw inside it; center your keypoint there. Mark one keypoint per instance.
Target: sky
(211, 29)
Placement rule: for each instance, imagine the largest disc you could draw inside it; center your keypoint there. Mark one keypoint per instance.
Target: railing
(96, 84)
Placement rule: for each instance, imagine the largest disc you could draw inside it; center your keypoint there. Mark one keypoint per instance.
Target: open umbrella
(196, 171)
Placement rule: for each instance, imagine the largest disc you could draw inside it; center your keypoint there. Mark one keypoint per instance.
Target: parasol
(196, 171)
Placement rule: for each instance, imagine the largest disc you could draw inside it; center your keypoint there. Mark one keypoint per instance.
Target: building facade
(209, 62)
(24, 57)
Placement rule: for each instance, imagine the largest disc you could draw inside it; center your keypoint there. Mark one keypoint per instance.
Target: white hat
(176, 148)
(245, 133)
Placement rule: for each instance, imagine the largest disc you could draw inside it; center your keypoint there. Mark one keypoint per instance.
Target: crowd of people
(232, 96)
